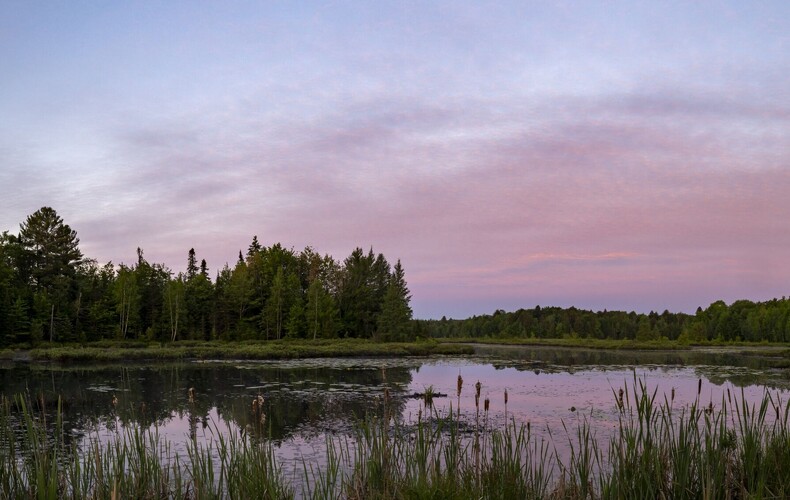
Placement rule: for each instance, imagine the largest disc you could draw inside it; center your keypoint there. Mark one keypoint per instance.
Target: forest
(50, 292)
(742, 320)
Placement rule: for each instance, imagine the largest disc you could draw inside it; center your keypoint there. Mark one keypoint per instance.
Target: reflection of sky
(631, 155)
(547, 399)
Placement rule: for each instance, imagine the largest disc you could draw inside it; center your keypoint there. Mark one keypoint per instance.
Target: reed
(724, 449)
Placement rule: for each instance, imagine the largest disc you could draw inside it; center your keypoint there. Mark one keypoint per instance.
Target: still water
(306, 401)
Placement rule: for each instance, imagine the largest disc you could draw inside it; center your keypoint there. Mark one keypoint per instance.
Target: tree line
(50, 292)
(742, 320)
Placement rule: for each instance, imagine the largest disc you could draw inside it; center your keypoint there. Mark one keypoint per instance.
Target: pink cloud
(623, 201)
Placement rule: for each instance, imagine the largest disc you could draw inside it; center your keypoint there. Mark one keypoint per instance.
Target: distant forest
(50, 292)
(743, 320)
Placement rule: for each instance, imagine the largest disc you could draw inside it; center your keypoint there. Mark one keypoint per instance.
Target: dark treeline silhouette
(743, 320)
(50, 292)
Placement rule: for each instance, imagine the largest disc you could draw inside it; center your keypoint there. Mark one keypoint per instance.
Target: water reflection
(302, 397)
(306, 400)
(749, 357)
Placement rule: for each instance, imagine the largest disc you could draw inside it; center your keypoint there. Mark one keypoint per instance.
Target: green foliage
(48, 291)
(742, 321)
(274, 349)
(394, 322)
(658, 449)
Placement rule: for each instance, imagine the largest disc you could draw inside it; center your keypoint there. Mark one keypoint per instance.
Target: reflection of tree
(742, 369)
(304, 400)
(564, 356)
(740, 378)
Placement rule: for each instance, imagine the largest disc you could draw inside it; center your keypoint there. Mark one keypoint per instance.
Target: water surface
(306, 401)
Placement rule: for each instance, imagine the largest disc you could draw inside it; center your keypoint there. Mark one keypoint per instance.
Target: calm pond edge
(730, 449)
(249, 350)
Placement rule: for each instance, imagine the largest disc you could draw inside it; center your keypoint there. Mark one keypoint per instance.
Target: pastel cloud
(611, 176)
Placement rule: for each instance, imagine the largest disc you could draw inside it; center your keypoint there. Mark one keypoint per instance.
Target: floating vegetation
(730, 449)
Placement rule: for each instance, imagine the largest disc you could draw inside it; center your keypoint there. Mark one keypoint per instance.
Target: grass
(590, 343)
(115, 350)
(275, 349)
(732, 449)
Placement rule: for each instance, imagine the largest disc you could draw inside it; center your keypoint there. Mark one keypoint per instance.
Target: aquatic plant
(730, 449)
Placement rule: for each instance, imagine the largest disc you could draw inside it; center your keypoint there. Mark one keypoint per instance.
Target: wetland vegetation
(659, 449)
(291, 374)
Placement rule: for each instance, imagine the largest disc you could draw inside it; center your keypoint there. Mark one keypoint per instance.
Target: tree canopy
(49, 291)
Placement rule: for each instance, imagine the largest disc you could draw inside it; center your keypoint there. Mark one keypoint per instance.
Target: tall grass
(730, 449)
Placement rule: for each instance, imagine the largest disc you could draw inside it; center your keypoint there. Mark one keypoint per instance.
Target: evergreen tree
(240, 291)
(52, 248)
(364, 284)
(395, 319)
(192, 268)
(254, 247)
(50, 257)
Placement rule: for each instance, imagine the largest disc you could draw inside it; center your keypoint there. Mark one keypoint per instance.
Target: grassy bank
(622, 344)
(276, 349)
(727, 450)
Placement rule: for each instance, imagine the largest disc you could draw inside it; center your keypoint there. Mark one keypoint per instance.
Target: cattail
(459, 385)
(729, 397)
(699, 387)
(486, 404)
(673, 394)
(257, 404)
(505, 397)
(478, 385)
(191, 394)
(386, 395)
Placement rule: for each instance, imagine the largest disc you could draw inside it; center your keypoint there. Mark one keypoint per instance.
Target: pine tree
(49, 260)
(52, 248)
(394, 322)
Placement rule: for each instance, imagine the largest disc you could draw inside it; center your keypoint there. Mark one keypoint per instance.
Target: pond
(307, 400)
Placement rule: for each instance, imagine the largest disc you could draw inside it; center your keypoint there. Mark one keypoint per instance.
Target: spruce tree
(192, 268)
(394, 322)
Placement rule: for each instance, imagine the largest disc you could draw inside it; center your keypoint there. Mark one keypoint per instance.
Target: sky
(606, 155)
